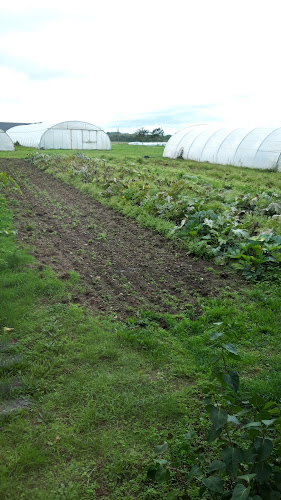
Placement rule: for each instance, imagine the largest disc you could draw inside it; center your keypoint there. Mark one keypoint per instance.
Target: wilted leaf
(7, 330)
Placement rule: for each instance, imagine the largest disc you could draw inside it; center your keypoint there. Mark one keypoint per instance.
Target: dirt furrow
(125, 268)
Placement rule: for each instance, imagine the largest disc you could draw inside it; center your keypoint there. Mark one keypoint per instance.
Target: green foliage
(7, 181)
(211, 221)
(245, 436)
(157, 134)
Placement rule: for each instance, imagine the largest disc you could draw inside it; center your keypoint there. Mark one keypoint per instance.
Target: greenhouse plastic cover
(5, 142)
(147, 143)
(64, 135)
(254, 147)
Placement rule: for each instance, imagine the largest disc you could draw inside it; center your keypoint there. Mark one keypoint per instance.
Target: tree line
(140, 135)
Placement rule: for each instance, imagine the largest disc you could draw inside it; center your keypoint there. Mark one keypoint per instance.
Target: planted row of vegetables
(220, 213)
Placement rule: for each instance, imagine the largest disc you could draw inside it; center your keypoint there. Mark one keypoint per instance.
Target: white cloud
(115, 62)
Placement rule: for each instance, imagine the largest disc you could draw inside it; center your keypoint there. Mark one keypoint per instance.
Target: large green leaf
(213, 483)
(252, 425)
(216, 465)
(263, 472)
(250, 455)
(232, 380)
(269, 422)
(233, 419)
(257, 400)
(264, 449)
(230, 348)
(240, 492)
(215, 335)
(232, 457)
(213, 434)
(195, 472)
(161, 448)
(247, 477)
(218, 417)
(162, 474)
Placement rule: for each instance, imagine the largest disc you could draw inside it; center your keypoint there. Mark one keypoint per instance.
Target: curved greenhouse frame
(258, 147)
(6, 144)
(64, 135)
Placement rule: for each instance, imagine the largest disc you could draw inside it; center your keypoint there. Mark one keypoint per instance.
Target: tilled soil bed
(125, 268)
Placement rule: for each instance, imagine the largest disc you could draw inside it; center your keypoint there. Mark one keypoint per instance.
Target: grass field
(85, 399)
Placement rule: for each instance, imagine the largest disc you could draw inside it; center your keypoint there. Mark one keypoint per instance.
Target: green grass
(119, 150)
(102, 393)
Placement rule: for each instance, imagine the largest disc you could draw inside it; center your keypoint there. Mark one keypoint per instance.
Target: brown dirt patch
(124, 267)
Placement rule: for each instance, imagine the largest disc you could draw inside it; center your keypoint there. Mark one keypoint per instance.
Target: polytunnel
(258, 147)
(64, 135)
(6, 144)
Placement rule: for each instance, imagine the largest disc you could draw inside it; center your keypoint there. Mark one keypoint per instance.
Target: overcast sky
(126, 64)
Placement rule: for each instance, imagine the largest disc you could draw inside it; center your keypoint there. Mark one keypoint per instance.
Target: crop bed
(125, 268)
(224, 214)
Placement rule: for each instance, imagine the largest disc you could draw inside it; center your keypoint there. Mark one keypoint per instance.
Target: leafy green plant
(256, 251)
(7, 181)
(242, 451)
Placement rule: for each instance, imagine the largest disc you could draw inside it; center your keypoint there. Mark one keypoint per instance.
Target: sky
(122, 64)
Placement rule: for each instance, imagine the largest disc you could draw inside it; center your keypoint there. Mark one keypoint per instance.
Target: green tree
(142, 134)
(157, 134)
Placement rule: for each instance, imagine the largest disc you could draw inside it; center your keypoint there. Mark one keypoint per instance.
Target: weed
(102, 236)
(245, 436)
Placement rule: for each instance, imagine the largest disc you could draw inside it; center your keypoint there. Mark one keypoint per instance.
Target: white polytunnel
(6, 144)
(64, 135)
(258, 147)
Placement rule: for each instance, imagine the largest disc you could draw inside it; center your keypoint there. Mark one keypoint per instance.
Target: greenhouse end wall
(6, 144)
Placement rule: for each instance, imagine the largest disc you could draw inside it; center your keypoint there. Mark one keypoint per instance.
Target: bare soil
(124, 268)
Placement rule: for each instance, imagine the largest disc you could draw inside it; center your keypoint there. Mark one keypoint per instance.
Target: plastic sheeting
(64, 135)
(147, 143)
(6, 144)
(254, 147)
